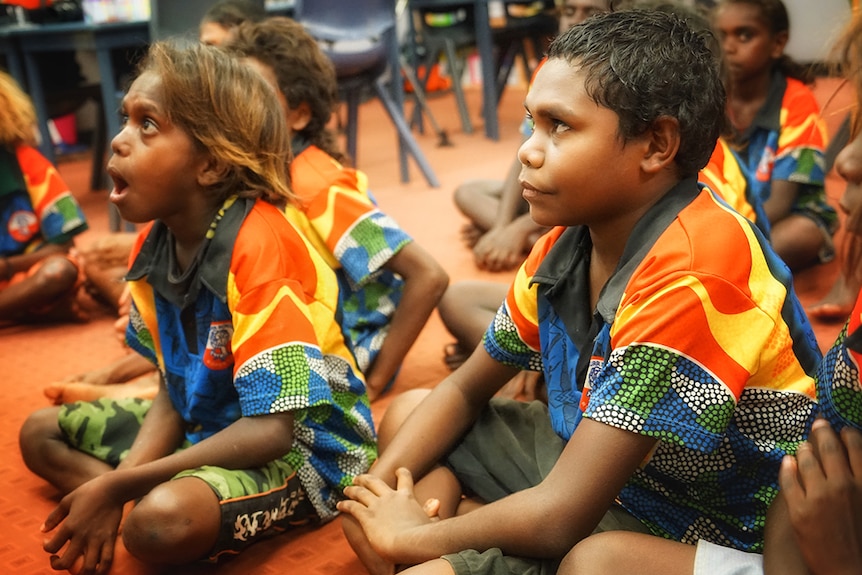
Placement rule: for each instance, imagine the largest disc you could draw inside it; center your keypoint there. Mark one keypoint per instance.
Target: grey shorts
(512, 447)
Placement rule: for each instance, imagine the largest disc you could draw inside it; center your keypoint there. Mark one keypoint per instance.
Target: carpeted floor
(34, 356)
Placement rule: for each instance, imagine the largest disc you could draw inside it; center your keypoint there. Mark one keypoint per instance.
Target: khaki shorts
(510, 448)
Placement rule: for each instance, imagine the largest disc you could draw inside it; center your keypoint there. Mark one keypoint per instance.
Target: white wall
(814, 25)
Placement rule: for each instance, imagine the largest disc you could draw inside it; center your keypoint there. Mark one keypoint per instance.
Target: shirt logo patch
(596, 364)
(764, 168)
(23, 225)
(218, 354)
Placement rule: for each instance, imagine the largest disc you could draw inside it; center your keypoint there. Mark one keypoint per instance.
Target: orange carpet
(32, 356)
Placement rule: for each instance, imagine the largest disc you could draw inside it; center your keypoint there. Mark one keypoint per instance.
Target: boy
(664, 325)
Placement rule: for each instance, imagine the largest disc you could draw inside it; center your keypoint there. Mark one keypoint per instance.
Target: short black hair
(648, 64)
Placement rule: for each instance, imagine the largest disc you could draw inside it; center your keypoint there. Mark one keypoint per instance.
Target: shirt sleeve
(59, 214)
(684, 348)
(799, 157)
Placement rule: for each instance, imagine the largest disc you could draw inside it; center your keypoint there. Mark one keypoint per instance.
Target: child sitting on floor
(261, 417)
(815, 524)
(40, 278)
(777, 132)
(389, 283)
(665, 325)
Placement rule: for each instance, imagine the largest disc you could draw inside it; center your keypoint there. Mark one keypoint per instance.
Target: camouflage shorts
(255, 503)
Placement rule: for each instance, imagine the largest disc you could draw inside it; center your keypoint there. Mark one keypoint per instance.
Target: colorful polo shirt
(723, 175)
(339, 218)
(697, 340)
(250, 329)
(786, 141)
(839, 391)
(36, 206)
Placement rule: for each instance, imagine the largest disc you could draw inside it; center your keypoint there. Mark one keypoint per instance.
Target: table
(24, 41)
(485, 49)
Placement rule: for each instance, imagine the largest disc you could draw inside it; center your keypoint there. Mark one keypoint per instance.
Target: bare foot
(470, 234)
(837, 304)
(145, 386)
(454, 356)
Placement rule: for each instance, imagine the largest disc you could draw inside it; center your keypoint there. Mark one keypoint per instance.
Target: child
(815, 524)
(778, 134)
(389, 285)
(500, 233)
(261, 416)
(106, 262)
(500, 230)
(224, 16)
(664, 324)
(39, 275)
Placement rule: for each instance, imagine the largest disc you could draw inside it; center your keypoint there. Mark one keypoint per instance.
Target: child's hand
(86, 523)
(387, 515)
(823, 489)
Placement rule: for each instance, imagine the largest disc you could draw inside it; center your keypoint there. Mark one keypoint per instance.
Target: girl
(261, 414)
(39, 217)
(777, 131)
(389, 285)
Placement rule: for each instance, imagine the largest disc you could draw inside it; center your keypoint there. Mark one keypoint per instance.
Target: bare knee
(177, 522)
(396, 413)
(35, 437)
(57, 271)
(588, 556)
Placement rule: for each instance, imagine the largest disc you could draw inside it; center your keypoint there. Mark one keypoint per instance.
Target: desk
(484, 39)
(24, 42)
(31, 39)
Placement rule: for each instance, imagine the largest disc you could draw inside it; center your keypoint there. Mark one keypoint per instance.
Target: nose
(848, 163)
(530, 154)
(119, 143)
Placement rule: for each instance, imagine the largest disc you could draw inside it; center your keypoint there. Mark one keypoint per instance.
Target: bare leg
(627, 553)
(439, 483)
(176, 523)
(467, 309)
(51, 287)
(47, 454)
(798, 241)
(106, 261)
(479, 200)
(145, 386)
(434, 567)
(838, 303)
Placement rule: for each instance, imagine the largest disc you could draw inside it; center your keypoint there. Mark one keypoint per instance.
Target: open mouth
(120, 184)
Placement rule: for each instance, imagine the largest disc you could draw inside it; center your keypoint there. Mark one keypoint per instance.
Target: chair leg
(455, 70)
(404, 134)
(352, 99)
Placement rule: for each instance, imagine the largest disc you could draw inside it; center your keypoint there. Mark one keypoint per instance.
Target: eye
(148, 125)
(530, 122)
(558, 126)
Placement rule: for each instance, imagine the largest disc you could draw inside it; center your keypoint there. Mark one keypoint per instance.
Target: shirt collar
(574, 245)
(212, 263)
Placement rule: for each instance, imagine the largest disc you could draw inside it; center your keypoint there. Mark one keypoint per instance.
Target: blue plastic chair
(360, 38)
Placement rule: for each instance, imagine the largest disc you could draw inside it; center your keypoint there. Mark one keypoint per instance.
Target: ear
(662, 145)
(211, 171)
(779, 43)
(299, 117)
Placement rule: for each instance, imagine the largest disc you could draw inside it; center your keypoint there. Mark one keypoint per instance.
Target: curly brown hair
(17, 115)
(303, 72)
(229, 111)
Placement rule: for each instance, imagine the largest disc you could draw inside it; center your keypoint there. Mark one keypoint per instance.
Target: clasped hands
(390, 518)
